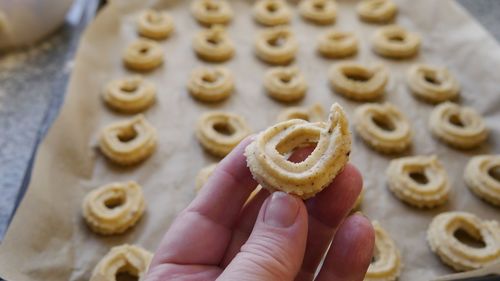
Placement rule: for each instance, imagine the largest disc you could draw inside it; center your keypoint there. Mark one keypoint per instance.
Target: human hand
(277, 237)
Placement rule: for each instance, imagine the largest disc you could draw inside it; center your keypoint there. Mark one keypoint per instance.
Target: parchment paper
(48, 239)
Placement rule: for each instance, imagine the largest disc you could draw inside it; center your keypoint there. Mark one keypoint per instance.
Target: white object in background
(23, 22)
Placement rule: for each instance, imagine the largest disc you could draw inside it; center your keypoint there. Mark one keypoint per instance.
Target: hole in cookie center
(212, 6)
(286, 79)
(210, 78)
(278, 41)
(272, 7)
(337, 37)
(296, 148)
(466, 238)
(319, 6)
(494, 172)
(456, 121)
(153, 17)
(127, 134)
(419, 177)
(127, 273)
(224, 129)
(358, 76)
(383, 123)
(129, 87)
(376, 255)
(114, 202)
(143, 50)
(213, 41)
(431, 79)
(397, 38)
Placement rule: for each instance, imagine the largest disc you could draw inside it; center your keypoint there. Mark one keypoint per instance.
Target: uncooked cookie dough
(286, 84)
(219, 132)
(460, 127)
(213, 44)
(337, 44)
(126, 258)
(155, 25)
(210, 12)
(431, 83)
(395, 42)
(271, 12)
(267, 156)
(211, 84)
(386, 265)
(143, 55)
(420, 181)
(318, 11)
(276, 45)
(128, 142)
(113, 208)
(383, 127)
(131, 94)
(482, 175)
(377, 11)
(456, 254)
(358, 82)
(314, 113)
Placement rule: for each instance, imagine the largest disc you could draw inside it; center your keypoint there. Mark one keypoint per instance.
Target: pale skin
(273, 237)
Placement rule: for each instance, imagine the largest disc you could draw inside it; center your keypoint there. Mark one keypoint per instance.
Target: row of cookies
(278, 12)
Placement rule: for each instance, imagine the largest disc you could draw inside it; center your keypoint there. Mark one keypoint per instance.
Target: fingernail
(282, 210)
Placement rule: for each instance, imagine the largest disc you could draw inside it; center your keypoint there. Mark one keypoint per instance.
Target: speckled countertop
(32, 86)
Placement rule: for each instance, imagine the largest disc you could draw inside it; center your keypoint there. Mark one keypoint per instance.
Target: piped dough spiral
(420, 181)
(267, 156)
(130, 259)
(459, 126)
(482, 175)
(458, 255)
(113, 208)
(386, 265)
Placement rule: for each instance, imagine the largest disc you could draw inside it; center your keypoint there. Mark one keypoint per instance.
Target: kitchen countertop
(32, 86)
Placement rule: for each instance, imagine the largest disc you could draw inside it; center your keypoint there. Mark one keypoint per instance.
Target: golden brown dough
(131, 259)
(155, 25)
(377, 11)
(131, 94)
(143, 55)
(318, 11)
(337, 44)
(395, 42)
(386, 265)
(219, 132)
(358, 82)
(210, 12)
(213, 44)
(271, 12)
(128, 142)
(211, 84)
(482, 175)
(276, 45)
(113, 208)
(286, 84)
(431, 83)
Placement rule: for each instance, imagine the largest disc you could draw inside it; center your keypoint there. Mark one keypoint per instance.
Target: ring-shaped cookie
(126, 258)
(155, 25)
(276, 45)
(318, 11)
(358, 82)
(211, 84)
(420, 181)
(460, 127)
(143, 55)
(219, 132)
(377, 11)
(113, 208)
(286, 84)
(482, 175)
(337, 44)
(130, 95)
(128, 142)
(213, 44)
(431, 83)
(386, 265)
(383, 127)
(267, 156)
(456, 254)
(208, 12)
(271, 12)
(395, 42)
(315, 113)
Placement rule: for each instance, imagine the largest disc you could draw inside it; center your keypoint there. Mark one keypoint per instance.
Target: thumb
(275, 249)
